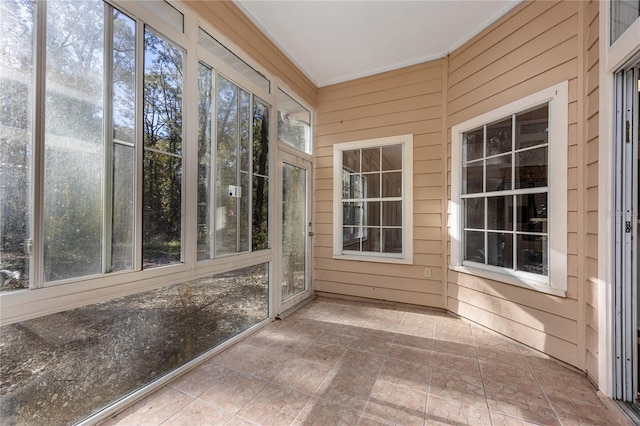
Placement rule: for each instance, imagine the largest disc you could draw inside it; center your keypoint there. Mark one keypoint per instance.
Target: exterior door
(627, 329)
(294, 283)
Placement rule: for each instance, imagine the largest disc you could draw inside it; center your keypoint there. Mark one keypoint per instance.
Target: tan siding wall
(533, 47)
(591, 137)
(399, 102)
(536, 45)
(230, 21)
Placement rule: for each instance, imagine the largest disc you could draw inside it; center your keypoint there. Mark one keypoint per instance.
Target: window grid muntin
(360, 230)
(511, 192)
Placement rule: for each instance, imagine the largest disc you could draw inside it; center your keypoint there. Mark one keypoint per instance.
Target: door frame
(289, 156)
(612, 57)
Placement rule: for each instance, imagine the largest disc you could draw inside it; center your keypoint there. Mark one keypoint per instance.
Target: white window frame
(406, 257)
(556, 282)
(279, 108)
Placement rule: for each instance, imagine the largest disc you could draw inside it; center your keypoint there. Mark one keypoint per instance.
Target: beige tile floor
(355, 363)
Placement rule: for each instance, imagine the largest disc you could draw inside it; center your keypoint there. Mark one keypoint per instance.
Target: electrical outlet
(427, 272)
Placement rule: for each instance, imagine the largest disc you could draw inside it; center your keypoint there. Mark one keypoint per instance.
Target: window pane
(293, 122)
(294, 229)
(352, 213)
(124, 77)
(124, 87)
(392, 157)
(392, 184)
(351, 186)
(499, 138)
(74, 147)
(260, 219)
(228, 122)
(474, 213)
(351, 238)
(371, 185)
(532, 254)
(205, 82)
(243, 217)
(472, 177)
(499, 173)
(96, 354)
(500, 249)
(623, 14)
(162, 95)
(124, 214)
(260, 229)
(371, 240)
(500, 213)
(532, 127)
(245, 120)
(391, 240)
(351, 160)
(531, 168)
(245, 169)
(161, 220)
(372, 213)
(233, 165)
(260, 137)
(392, 213)
(162, 165)
(16, 94)
(473, 145)
(474, 246)
(532, 213)
(371, 160)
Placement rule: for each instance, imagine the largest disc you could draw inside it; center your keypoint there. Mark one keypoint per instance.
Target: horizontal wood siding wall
(407, 101)
(592, 147)
(230, 21)
(529, 49)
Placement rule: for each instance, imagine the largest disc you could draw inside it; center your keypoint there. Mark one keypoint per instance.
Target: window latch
(627, 227)
(28, 247)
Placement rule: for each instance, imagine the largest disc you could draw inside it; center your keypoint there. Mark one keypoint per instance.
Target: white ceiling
(334, 41)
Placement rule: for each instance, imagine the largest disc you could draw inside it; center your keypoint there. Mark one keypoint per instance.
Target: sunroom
(185, 192)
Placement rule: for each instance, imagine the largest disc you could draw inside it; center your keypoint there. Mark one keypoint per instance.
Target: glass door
(295, 236)
(627, 328)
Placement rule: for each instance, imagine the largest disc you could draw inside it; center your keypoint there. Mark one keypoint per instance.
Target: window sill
(530, 284)
(375, 259)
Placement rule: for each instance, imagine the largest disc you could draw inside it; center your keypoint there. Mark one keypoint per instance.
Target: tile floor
(355, 363)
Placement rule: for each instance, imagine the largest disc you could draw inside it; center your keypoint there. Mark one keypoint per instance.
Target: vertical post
(107, 140)
(36, 259)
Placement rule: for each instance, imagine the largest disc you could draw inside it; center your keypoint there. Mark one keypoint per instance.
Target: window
(623, 14)
(84, 150)
(294, 123)
(16, 132)
(162, 168)
(239, 221)
(372, 193)
(509, 192)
